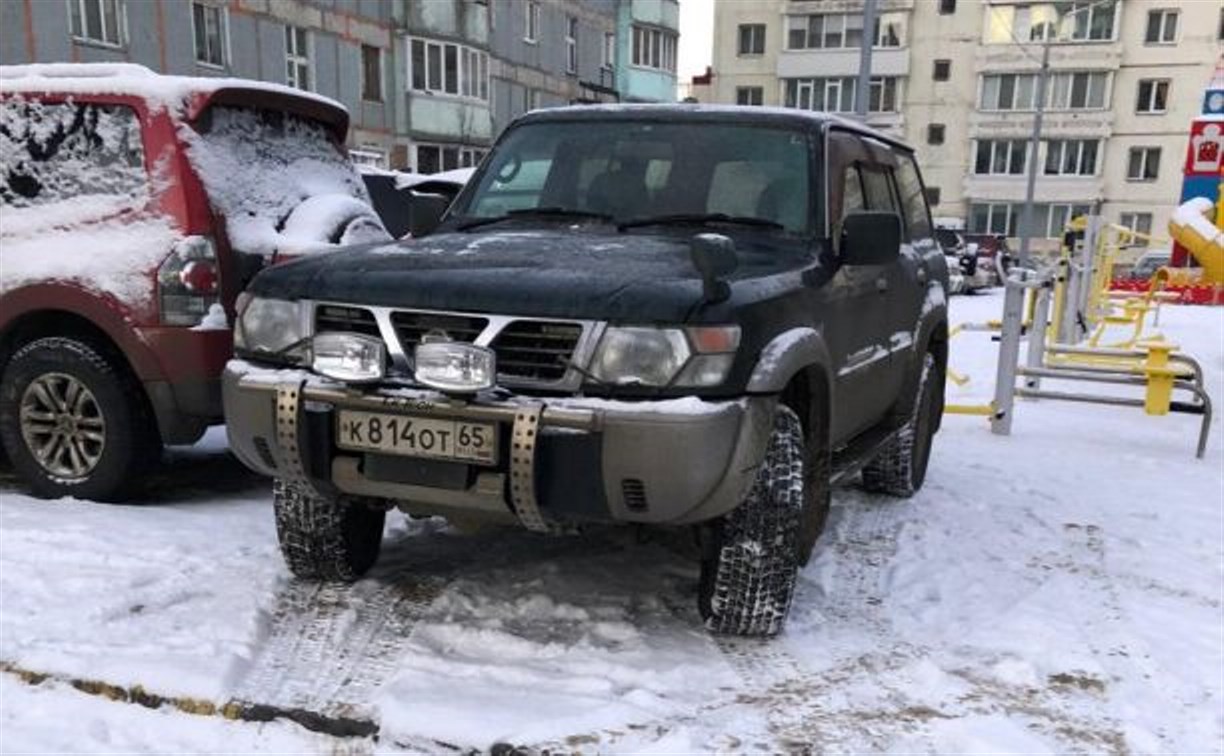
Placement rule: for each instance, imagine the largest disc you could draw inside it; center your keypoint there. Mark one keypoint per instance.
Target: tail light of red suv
(188, 281)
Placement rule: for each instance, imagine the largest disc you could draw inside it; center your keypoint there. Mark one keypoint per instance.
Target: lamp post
(863, 88)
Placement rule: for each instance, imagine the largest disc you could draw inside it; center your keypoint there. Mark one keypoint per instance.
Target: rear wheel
(900, 468)
(752, 561)
(73, 422)
(326, 538)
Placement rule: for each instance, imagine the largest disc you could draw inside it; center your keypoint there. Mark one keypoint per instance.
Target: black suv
(661, 315)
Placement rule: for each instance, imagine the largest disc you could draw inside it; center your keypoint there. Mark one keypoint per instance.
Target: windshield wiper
(546, 212)
(699, 219)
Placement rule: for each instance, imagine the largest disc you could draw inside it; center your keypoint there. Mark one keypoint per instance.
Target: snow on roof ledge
(134, 80)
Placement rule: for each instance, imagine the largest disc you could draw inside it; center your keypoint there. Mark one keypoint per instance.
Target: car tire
(326, 538)
(752, 556)
(900, 467)
(74, 422)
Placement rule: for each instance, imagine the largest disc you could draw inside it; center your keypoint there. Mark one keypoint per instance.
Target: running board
(853, 457)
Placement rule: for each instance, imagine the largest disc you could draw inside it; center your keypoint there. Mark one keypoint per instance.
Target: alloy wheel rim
(62, 425)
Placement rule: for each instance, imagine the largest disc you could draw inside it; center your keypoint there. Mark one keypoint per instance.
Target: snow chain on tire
(748, 582)
(893, 470)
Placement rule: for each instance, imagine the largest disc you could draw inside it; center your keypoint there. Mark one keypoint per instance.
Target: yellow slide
(1202, 238)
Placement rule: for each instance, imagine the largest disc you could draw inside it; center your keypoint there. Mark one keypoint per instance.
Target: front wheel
(752, 562)
(901, 466)
(326, 538)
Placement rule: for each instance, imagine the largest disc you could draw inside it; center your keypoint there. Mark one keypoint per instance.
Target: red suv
(135, 209)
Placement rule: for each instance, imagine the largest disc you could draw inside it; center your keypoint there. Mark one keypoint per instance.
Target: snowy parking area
(1059, 590)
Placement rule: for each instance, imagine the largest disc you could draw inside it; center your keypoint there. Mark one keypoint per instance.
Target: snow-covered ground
(1059, 590)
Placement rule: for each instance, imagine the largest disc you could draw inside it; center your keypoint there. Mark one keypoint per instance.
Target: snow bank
(281, 185)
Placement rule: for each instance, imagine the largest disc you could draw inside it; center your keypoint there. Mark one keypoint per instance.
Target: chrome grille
(412, 327)
(536, 350)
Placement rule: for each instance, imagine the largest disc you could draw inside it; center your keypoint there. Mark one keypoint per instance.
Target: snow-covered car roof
(186, 95)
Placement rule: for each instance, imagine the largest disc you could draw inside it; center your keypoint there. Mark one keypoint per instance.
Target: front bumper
(563, 460)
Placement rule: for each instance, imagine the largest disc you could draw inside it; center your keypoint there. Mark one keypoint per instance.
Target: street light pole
(863, 88)
(1026, 218)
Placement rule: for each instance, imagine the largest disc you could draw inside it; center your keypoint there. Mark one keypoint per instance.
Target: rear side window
(909, 184)
(878, 189)
(51, 152)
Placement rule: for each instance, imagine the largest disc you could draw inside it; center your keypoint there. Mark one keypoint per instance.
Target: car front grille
(530, 352)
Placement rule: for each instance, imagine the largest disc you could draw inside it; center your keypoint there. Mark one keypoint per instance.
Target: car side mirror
(714, 257)
(870, 237)
(427, 212)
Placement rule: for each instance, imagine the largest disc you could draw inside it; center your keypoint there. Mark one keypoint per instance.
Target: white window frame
(752, 29)
(1086, 11)
(1149, 107)
(1079, 148)
(1164, 35)
(298, 59)
(472, 73)
(609, 50)
(1004, 148)
(223, 21)
(531, 22)
(820, 91)
(653, 48)
(748, 92)
(115, 37)
(1145, 152)
(1131, 220)
(468, 156)
(571, 44)
(1060, 90)
(368, 155)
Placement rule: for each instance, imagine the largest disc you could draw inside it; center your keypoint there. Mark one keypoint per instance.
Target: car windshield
(623, 171)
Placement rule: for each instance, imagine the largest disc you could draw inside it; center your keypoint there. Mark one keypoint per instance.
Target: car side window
(57, 151)
(877, 189)
(913, 200)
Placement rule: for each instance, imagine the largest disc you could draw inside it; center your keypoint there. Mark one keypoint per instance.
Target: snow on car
(1057, 590)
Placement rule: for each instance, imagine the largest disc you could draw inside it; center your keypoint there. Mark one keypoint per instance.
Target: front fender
(782, 358)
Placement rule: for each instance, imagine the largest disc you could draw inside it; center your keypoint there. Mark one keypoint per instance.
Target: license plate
(453, 440)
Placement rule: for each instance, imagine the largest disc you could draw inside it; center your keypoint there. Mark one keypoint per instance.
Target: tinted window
(877, 189)
(913, 201)
(636, 169)
(56, 151)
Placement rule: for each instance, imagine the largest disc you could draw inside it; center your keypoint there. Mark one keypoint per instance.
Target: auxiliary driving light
(455, 367)
(349, 357)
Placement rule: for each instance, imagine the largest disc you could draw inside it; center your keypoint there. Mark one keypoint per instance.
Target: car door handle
(881, 285)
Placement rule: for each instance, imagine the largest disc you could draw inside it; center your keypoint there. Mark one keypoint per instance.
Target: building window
(1006, 218)
(947, 7)
(749, 95)
(932, 195)
(609, 50)
(1071, 157)
(836, 94)
(531, 21)
(1000, 157)
(1161, 27)
(371, 73)
(935, 133)
(1144, 164)
(887, 31)
(654, 48)
(297, 57)
(1139, 222)
(1066, 90)
(840, 30)
(943, 69)
(531, 99)
(432, 158)
(98, 21)
(1081, 21)
(210, 29)
(571, 45)
(1153, 96)
(370, 156)
(446, 68)
(752, 39)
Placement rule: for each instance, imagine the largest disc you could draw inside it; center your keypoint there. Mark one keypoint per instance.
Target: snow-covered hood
(570, 273)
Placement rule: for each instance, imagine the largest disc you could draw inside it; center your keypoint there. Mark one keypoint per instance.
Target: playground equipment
(1055, 307)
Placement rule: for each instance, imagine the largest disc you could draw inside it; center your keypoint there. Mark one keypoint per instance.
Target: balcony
(1049, 188)
(1074, 56)
(1060, 123)
(885, 61)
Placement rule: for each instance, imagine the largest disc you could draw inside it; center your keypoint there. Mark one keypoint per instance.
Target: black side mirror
(714, 257)
(870, 238)
(427, 212)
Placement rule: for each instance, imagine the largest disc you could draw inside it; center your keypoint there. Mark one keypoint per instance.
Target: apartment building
(428, 83)
(958, 78)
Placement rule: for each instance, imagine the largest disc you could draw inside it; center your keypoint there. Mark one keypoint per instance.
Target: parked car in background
(993, 254)
(632, 314)
(408, 201)
(1148, 263)
(973, 276)
(136, 207)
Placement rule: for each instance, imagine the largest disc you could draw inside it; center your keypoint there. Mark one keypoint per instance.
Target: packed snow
(1058, 590)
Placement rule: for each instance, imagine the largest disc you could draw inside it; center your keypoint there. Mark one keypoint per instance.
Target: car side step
(854, 456)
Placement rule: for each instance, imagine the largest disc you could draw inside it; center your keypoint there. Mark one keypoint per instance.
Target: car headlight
(271, 327)
(665, 356)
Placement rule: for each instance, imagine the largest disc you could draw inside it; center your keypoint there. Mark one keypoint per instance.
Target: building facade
(428, 83)
(958, 81)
